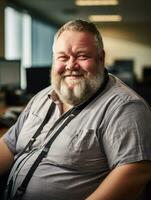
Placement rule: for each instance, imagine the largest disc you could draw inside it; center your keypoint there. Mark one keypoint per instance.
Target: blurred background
(27, 28)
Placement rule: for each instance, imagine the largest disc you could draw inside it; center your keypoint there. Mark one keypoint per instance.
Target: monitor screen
(123, 69)
(10, 73)
(37, 78)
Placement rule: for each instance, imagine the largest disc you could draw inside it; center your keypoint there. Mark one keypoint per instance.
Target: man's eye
(62, 58)
(82, 57)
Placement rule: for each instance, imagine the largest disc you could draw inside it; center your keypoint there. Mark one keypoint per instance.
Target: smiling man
(86, 137)
(76, 75)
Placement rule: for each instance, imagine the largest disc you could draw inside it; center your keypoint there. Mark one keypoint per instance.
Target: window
(42, 39)
(27, 39)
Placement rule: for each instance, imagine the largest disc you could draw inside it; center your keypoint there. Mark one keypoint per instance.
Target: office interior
(27, 29)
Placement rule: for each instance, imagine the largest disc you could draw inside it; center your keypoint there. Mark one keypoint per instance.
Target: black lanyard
(38, 132)
(66, 118)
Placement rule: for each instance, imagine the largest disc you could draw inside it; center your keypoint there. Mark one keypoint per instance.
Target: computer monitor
(37, 78)
(124, 69)
(10, 76)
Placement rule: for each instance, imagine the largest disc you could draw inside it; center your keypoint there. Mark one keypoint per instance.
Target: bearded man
(87, 136)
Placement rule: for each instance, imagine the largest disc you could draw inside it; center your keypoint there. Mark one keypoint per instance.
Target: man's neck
(66, 107)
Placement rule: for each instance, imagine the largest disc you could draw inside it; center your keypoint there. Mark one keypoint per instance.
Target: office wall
(2, 5)
(128, 42)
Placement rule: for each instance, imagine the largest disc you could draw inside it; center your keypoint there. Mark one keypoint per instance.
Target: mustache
(73, 73)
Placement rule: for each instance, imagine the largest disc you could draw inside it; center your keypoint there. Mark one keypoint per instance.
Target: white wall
(122, 44)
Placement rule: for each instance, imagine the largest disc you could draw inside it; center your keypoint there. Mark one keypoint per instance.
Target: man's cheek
(59, 69)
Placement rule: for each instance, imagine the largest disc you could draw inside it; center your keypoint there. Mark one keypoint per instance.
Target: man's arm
(124, 182)
(6, 157)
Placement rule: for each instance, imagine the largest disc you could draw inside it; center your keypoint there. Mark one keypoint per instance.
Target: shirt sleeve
(127, 137)
(10, 137)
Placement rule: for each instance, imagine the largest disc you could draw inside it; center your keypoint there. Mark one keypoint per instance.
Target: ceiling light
(96, 2)
(105, 18)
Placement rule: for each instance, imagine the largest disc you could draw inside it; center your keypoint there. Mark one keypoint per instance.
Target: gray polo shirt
(113, 130)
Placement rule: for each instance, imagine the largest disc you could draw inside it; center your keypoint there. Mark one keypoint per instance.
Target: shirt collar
(54, 97)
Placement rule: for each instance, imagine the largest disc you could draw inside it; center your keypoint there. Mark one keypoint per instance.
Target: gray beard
(82, 90)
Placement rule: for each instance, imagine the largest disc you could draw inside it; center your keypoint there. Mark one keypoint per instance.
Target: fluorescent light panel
(96, 2)
(105, 18)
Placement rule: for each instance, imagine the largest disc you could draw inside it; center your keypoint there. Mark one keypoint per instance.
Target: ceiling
(61, 11)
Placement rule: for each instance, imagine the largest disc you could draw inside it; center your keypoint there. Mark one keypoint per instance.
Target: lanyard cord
(28, 146)
(32, 140)
(21, 189)
(68, 116)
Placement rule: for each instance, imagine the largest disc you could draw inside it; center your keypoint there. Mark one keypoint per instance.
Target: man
(102, 147)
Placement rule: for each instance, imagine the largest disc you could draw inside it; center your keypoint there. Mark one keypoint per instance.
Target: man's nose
(71, 64)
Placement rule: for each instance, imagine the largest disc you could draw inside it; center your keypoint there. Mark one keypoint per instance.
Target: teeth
(73, 75)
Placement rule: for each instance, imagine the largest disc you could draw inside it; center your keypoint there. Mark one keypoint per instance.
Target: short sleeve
(127, 136)
(10, 137)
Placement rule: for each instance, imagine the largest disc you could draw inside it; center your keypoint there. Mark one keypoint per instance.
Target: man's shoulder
(44, 93)
(118, 94)
(122, 91)
(42, 96)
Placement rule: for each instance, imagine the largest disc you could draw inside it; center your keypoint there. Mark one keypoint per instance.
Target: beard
(83, 88)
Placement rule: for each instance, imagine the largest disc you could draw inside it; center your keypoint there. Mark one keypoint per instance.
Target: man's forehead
(82, 40)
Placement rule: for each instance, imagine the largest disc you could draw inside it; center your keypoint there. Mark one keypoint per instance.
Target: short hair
(81, 26)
